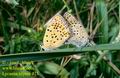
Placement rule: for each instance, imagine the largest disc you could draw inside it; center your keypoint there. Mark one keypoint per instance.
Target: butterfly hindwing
(79, 36)
(57, 32)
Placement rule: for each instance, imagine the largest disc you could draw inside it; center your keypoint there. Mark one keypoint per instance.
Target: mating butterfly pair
(64, 29)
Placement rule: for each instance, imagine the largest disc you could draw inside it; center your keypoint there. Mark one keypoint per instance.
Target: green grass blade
(4, 29)
(41, 55)
(119, 14)
(102, 16)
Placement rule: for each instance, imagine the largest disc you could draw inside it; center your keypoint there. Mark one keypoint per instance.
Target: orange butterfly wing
(57, 32)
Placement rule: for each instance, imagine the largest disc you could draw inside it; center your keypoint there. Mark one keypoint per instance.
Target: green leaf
(53, 69)
(103, 17)
(74, 72)
(42, 55)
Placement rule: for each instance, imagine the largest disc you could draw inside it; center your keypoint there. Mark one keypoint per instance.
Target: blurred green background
(22, 30)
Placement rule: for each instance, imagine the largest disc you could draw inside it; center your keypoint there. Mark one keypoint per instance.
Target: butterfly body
(79, 36)
(57, 32)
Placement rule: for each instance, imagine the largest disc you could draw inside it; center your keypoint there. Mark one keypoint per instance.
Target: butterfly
(79, 36)
(57, 32)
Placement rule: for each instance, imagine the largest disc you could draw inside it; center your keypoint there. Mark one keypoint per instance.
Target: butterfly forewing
(79, 36)
(57, 32)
